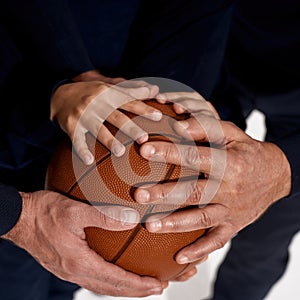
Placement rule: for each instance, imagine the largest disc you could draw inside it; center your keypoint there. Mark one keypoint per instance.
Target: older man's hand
(242, 178)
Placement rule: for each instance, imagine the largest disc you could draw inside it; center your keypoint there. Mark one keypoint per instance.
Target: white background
(199, 287)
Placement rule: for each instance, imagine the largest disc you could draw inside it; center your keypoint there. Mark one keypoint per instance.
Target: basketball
(112, 180)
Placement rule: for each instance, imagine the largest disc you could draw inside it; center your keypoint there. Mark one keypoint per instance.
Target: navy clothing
(51, 40)
(45, 41)
(261, 72)
(21, 277)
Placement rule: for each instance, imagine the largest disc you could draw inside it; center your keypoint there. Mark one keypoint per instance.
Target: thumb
(110, 217)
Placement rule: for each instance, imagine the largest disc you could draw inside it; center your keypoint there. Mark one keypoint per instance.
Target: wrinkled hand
(248, 176)
(191, 273)
(51, 229)
(83, 107)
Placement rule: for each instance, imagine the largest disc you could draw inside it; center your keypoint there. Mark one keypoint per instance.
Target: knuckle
(85, 101)
(172, 224)
(230, 125)
(237, 164)
(219, 243)
(162, 193)
(120, 285)
(167, 152)
(131, 104)
(73, 212)
(191, 156)
(203, 219)
(70, 121)
(138, 92)
(107, 219)
(194, 193)
(100, 88)
(139, 82)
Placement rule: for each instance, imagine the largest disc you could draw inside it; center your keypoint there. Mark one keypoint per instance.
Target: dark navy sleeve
(290, 146)
(10, 208)
(49, 26)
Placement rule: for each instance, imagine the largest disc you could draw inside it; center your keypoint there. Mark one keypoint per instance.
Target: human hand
(250, 176)
(51, 229)
(83, 107)
(94, 75)
(190, 273)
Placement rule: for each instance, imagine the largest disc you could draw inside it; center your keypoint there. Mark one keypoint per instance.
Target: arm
(48, 225)
(51, 229)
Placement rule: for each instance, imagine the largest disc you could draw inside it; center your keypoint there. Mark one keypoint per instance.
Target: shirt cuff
(10, 207)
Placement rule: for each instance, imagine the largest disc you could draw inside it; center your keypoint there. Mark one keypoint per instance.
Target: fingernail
(129, 216)
(156, 115)
(88, 159)
(118, 149)
(143, 138)
(154, 226)
(156, 290)
(179, 108)
(183, 259)
(143, 196)
(184, 124)
(161, 97)
(147, 151)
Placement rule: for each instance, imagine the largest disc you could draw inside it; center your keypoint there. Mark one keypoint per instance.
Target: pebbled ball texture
(112, 180)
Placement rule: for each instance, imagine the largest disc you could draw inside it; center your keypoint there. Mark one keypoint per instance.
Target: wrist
(284, 182)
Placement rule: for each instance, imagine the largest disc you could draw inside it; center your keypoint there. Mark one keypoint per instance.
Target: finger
(215, 239)
(186, 276)
(202, 160)
(114, 218)
(138, 89)
(188, 220)
(187, 192)
(104, 136)
(174, 96)
(117, 96)
(190, 156)
(81, 147)
(190, 105)
(115, 290)
(207, 129)
(129, 284)
(127, 126)
(96, 127)
(154, 89)
(99, 276)
(196, 107)
(140, 108)
(201, 128)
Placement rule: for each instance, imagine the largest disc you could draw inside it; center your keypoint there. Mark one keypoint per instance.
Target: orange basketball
(112, 180)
